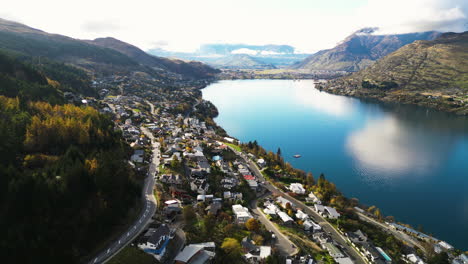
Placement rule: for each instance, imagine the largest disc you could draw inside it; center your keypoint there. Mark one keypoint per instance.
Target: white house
(297, 188)
(301, 215)
(310, 225)
(319, 208)
(283, 202)
(261, 162)
(285, 217)
(412, 258)
(242, 213)
(333, 251)
(157, 242)
(331, 212)
(314, 198)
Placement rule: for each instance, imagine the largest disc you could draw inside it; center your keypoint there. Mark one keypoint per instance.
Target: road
(398, 234)
(144, 218)
(284, 245)
(327, 227)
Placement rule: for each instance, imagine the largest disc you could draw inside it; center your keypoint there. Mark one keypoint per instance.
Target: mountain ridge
(360, 50)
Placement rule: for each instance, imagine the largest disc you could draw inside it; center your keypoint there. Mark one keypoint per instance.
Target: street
(336, 236)
(145, 216)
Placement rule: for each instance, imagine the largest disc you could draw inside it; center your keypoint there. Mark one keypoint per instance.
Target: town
(210, 198)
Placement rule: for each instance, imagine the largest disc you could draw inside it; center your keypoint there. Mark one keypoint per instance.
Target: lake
(409, 161)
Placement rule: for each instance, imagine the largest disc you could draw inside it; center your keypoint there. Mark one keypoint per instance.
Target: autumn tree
(231, 247)
(252, 224)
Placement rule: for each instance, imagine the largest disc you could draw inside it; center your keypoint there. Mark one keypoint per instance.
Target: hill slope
(241, 61)
(65, 184)
(191, 69)
(360, 50)
(427, 72)
(105, 57)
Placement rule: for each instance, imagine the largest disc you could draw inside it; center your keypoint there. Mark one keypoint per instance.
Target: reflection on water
(404, 159)
(307, 95)
(387, 148)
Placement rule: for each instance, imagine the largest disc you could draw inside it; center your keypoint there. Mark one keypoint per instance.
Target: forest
(64, 181)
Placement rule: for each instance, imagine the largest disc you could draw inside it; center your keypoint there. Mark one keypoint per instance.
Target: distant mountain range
(101, 56)
(359, 50)
(239, 56)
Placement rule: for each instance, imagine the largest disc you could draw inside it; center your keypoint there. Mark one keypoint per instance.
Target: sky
(183, 25)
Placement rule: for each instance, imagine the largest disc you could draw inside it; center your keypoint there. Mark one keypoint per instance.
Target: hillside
(65, 184)
(424, 72)
(360, 50)
(94, 58)
(241, 61)
(191, 69)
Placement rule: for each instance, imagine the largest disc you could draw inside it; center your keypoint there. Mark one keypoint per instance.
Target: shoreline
(226, 133)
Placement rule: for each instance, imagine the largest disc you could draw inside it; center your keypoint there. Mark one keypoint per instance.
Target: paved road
(284, 245)
(336, 236)
(398, 234)
(145, 216)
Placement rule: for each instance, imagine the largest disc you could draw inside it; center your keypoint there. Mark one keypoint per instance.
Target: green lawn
(237, 148)
(132, 255)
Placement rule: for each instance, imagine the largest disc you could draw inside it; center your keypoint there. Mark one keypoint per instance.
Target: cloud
(244, 51)
(402, 16)
(101, 26)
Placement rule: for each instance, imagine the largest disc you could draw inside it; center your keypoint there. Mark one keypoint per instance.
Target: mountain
(359, 50)
(260, 56)
(241, 61)
(192, 69)
(105, 56)
(425, 72)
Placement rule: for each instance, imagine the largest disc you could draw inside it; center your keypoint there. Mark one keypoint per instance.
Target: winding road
(149, 208)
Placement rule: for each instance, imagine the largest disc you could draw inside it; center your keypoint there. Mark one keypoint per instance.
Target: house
(332, 250)
(196, 253)
(314, 198)
(344, 261)
(310, 225)
(157, 242)
(285, 218)
(445, 246)
(357, 236)
(297, 188)
(271, 209)
(137, 156)
(214, 208)
(283, 202)
(412, 258)
(173, 203)
(462, 259)
(301, 215)
(331, 212)
(242, 213)
(319, 209)
(254, 253)
(261, 163)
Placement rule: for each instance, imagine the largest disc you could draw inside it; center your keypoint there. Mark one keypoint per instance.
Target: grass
(132, 255)
(236, 147)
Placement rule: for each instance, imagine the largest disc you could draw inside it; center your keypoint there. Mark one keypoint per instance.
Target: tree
(310, 179)
(441, 258)
(252, 225)
(278, 153)
(258, 239)
(189, 215)
(231, 247)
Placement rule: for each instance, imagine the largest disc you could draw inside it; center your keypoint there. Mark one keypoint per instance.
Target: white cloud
(308, 25)
(244, 51)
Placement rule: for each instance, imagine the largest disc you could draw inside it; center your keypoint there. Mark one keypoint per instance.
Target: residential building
(297, 188)
(157, 242)
(242, 214)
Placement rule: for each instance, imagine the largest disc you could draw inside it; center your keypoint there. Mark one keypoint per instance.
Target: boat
(297, 156)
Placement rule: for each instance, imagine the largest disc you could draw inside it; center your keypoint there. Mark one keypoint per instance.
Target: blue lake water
(409, 161)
